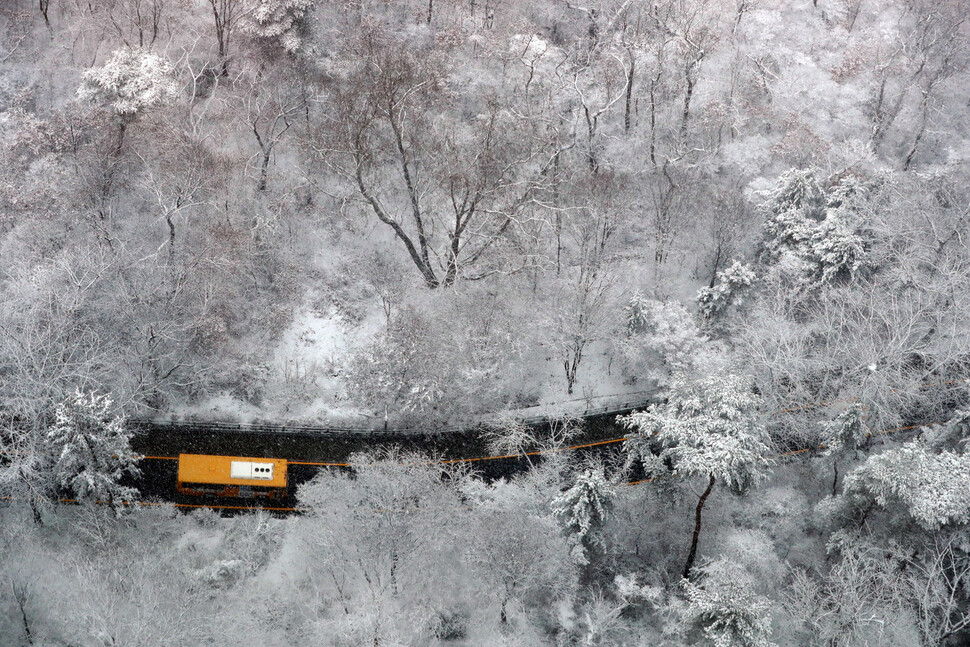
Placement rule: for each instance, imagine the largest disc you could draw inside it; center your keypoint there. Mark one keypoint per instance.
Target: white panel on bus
(240, 470)
(249, 470)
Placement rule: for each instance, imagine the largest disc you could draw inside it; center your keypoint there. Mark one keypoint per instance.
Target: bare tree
(874, 594)
(22, 595)
(938, 585)
(520, 557)
(270, 112)
(690, 29)
(178, 177)
(658, 63)
(375, 553)
(137, 23)
(666, 201)
(449, 189)
(225, 14)
(889, 97)
(512, 436)
(580, 312)
(939, 49)
(596, 98)
(725, 225)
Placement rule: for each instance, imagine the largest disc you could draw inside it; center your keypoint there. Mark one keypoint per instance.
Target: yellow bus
(231, 476)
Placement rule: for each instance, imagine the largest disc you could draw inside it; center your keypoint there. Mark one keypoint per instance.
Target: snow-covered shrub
(861, 600)
(725, 608)
(674, 335)
(222, 574)
(280, 21)
(729, 289)
(846, 433)
(953, 435)
(629, 589)
(932, 487)
(601, 620)
(663, 334)
(245, 379)
(421, 369)
(399, 370)
(753, 550)
(93, 450)
(636, 313)
(130, 82)
(811, 232)
(582, 509)
(253, 539)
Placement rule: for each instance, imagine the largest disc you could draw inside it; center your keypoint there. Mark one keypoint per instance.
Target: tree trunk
(555, 203)
(572, 367)
(688, 93)
(394, 560)
(924, 109)
(38, 519)
(653, 118)
(122, 129)
(697, 528)
(420, 260)
(629, 94)
(223, 22)
(853, 13)
(717, 265)
(835, 475)
(590, 138)
(264, 170)
(44, 9)
(21, 594)
(171, 238)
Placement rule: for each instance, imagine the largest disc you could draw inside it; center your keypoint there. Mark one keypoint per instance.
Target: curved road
(310, 449)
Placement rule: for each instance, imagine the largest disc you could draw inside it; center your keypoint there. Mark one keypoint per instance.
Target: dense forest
(753, 213)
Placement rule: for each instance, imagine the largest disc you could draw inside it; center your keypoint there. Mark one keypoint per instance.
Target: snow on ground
(307, 367)
(600, 384)
(220, 407)
(305, 384)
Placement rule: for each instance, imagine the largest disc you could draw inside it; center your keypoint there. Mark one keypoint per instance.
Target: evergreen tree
(845, 434)
(815, 230)
(132, 81)
(708, 427)
(731, 284)
(281, 22)
(92, 450)
(726, 609)
(931, 487)
(583, 509)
